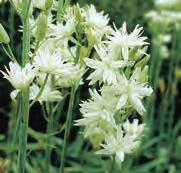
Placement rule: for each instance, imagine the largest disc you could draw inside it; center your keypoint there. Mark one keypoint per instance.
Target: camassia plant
(62, 43)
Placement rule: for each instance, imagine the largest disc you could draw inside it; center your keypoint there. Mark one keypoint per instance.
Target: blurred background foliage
(161, 148)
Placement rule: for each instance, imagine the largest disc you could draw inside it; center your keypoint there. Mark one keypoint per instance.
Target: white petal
(125, 52)
(14, 94)
(144, 91)
(91, 63)
(137, 104)
(120, 156)
(122, 101)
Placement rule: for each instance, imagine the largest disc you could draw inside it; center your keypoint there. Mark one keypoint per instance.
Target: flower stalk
(68, 127)
(23, 131)
(25, 93)
(49, 131)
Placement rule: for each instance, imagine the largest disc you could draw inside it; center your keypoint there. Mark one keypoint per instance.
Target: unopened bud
(41, 29)
(48, 4)
(144, 74)
(4, 38)
(143, 61)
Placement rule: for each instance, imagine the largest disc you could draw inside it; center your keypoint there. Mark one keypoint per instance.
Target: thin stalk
(60, 10)
(68, 127)
(168, 94)
(12, 27)
(113, 165)
(23, 131)
(24, 114)
(11, 56)
(58, 113)
(26, 31)
(11, 53)
(48, 149)
(40, 92)
(174, 55)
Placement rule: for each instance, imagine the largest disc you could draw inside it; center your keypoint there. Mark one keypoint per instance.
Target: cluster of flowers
(162, 20)
(119, 67)
(63, 48)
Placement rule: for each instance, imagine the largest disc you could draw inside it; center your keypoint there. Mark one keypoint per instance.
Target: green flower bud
(140, 53)
(96, 140)
(48, 4)
(144, 74)
(143, 61)
(42, 25)
(4, 38)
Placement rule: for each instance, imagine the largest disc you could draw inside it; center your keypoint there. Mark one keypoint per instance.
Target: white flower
(164, 18)
(130, 92)
(97, 113)
(71, 12)
(167, 2)
(164, 38)
(134, 129)
(121, 38)
(119, 145)
(96, 20)
(75, 77)
(106, 69)
(60, 31)
(47, 95)
(51, 62)
(19, 77)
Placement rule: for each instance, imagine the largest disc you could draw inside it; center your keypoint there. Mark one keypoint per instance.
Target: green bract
(4, 38)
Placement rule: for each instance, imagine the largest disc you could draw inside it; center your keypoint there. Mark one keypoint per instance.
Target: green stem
(8, 54)
(24, 114)
(113, 165)
(60, 10)
(57, 113)
(23, 131)
(67, 128)
(26, 32)
(48, 149)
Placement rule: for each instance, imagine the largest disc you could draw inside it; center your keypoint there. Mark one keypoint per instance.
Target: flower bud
(140, 53)
(4, 38)
(48, 4)
(143, 61)
(42, 24)
(144, 74)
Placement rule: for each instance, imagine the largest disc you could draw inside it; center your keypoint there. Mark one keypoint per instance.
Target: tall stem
(23, 131)
(67, 128)
(112, 168)
(48, 149)
(24, 100)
